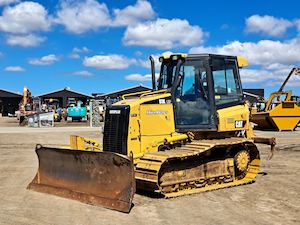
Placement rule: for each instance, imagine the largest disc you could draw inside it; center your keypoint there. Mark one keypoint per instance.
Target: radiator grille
(116, 129)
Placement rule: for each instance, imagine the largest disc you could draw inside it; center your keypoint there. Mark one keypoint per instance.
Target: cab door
(192, 98)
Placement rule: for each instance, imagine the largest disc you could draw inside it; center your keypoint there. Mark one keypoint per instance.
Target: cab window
(226, 83)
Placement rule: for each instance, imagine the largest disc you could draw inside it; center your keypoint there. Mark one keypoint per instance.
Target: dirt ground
(274, 197)
(13, 122)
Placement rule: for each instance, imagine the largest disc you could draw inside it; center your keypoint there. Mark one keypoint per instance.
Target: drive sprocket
(242, 160)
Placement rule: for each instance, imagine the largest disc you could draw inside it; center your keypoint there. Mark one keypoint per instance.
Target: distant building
(9, 102)
(116, 95)
(63, 95)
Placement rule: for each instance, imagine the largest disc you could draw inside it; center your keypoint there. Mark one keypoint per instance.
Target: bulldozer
(189, 134)
(281, 112)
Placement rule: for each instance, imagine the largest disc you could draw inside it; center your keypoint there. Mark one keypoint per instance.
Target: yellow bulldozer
(281, 111)
(190, 134)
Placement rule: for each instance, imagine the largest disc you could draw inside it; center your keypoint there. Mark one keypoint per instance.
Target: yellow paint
(83, 144)
(242, 61)
(278, 115)
(157, 123)
(183, 55)
(228, 117)
(176, 138)
(250, 175)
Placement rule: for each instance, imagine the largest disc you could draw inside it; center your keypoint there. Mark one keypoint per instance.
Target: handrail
(154, 92)
(132, 94)
(144, 93)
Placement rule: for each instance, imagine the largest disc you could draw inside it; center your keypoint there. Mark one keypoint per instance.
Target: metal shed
(63, 95)
(116, 95)
(9, 102)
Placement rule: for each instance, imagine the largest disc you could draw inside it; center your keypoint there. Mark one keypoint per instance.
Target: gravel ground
(272, 199)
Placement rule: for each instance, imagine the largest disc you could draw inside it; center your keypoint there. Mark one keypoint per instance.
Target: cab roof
(242, 61)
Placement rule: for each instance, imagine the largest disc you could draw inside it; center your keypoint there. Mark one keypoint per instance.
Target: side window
(220, 82)
(231, 82)
(188, 86)
(226, 83)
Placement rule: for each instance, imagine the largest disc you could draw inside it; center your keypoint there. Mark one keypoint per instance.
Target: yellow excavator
(281, 111)
(190, 134)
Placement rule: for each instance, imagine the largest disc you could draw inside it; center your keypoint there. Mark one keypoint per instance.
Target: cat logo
(239, 123)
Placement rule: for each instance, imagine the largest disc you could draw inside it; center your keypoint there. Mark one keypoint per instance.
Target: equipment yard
(272, 199)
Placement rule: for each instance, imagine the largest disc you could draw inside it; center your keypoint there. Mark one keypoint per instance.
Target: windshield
(187, 68)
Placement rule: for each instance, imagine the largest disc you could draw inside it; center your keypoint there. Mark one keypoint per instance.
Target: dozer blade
(98, 178)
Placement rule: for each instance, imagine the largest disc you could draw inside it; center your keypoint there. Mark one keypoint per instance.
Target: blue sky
(102, 46)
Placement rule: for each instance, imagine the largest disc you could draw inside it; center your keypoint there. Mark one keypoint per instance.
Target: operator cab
(200, 85)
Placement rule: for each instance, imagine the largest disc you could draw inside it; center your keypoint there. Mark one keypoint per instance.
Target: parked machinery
(53, 105)
(26, 107)
(296, 99)
(190, 134)
(76, 110)
(281, 111)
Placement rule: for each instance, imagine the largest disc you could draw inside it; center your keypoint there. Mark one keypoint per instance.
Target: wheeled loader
(190, 134)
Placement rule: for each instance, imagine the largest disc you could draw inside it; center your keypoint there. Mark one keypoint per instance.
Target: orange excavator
(26, 106)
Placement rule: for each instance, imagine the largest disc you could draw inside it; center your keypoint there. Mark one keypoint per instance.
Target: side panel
(134, 134)
(157, 123)
(286, 115)
(234, 118)
(157, 119)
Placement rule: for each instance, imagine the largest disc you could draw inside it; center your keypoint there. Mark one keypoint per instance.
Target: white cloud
(255, 75)
(24, 18)
(146, 63)
(133, 14)
(74, 56)
(83, 73)
(269, 77)
(14, 69)
(89, 15)
(45, 60)
(268, 25)
(108, 61)
(164, 34)
(273, 59)
(81, 50)
(297, 24)
(82, 16)
(264, 52)
(7, 2)
(140, 77)
(138, 53)
(29, 40)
